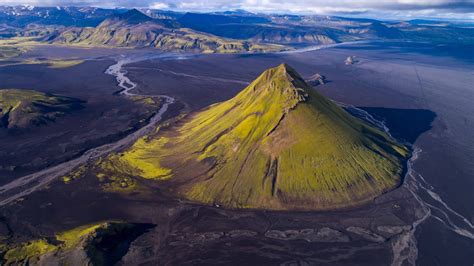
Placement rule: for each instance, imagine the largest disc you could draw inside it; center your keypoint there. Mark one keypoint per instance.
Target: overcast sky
(459, 9)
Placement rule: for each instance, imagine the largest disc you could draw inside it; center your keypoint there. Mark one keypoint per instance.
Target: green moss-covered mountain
(24, 108)
(135, 29)
(278, 144)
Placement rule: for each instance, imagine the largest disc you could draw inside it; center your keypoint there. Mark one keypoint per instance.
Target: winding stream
(430, 203)
(25, 185)
(404, 246)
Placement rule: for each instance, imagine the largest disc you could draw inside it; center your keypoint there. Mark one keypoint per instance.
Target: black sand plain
(425, 98)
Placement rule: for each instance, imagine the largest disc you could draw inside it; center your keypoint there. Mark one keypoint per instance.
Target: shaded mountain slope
(135, 16)
(256, 29)
(101, 243)
(204, 21)
(276, 145)
(285, 29)
(276, 33)
(24, 108)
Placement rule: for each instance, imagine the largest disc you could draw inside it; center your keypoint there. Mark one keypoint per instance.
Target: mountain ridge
(72, 25)
(135, 29)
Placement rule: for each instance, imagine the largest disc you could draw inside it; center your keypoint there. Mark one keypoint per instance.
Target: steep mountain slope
(276, 33)
(278, 144)
(24, 108)
(135, 16)
(376, 29)
(135, 29)
(287, 29)
(256, 29)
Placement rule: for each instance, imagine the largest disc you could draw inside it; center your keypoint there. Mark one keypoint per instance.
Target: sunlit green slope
(78, 246)
(277, 145)
(23, 108)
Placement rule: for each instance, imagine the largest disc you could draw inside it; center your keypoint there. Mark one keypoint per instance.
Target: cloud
(159, 5)
(396, 8)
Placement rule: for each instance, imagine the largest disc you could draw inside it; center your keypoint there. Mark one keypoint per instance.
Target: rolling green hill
(24, 108)
(83, 245)
(278, 144)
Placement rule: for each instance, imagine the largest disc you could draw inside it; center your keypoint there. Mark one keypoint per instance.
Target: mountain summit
(133, 16)
(278, 144)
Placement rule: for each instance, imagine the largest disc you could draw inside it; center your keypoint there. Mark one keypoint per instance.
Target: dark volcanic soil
(105, 118)
(425, 100)
(192, 234)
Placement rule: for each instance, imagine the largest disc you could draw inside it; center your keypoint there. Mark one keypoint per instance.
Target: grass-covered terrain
(54, 63)
(152, 35)
(24, 108)
(7, 52)
(277, 145)
(10, 48)
(32, 250)
(93, 244)
(50, 63)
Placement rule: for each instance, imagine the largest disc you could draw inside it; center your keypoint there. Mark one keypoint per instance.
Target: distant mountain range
(231, 31)
(66, 16)
(135, 29)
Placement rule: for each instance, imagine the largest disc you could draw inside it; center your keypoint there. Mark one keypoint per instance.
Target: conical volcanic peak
(279, 86)
(291, 73)
(278, 144)
(282, 78)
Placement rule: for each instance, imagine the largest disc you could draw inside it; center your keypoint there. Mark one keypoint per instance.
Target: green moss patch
(24, 108)
(103, 242)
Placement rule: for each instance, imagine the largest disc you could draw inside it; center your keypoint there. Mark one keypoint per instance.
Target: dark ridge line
(274, 173)
(267, 171)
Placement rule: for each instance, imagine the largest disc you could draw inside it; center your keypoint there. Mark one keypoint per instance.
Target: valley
(207, 32)
(386, 222)
(151, 137)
